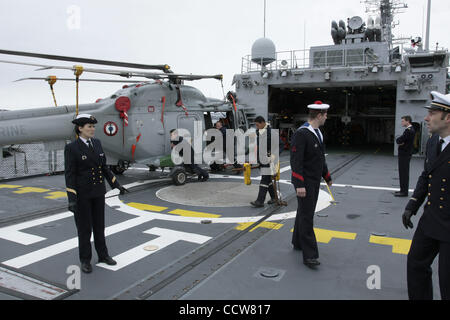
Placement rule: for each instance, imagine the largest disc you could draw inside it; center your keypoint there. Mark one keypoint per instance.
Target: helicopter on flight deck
(135, 122)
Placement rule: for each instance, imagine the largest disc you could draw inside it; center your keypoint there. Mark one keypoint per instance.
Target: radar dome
(263, 51)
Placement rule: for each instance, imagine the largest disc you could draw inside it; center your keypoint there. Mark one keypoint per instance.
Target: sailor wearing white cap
(308, 167)
(432, 236)
(85, 173)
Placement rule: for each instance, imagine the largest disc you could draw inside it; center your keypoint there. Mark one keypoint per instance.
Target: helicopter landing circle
(324, 201)
(210, 194)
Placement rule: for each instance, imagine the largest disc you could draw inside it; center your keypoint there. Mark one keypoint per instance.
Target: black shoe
(273, 201)
(257, 204)
(297, 248)
(108, 260)
(311, 262)
(86, 267)
(400, 194)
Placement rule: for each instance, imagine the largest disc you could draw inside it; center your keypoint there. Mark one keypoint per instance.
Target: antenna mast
(264, 18)
(387, 9)
(427, 39)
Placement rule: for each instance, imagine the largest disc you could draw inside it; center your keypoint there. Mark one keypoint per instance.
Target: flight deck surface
(204, 240)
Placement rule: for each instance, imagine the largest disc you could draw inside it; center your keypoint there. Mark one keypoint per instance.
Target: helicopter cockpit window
(208, 120)
(217, 116)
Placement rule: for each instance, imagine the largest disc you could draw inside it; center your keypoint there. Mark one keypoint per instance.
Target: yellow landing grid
(266, 225)
(325, 236)
(399, 246)
(146, 207)
(9, 186)
(194, 214)
(31, 190)
(56, 195)
(25, 190)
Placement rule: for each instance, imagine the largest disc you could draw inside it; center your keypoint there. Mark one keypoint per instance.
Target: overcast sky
(192, 36)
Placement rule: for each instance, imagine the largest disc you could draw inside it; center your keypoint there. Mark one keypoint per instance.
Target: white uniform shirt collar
(85, 141)
(308, 126)
(446, 142)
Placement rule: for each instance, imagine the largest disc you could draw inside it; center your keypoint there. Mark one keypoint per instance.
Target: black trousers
(90, 217)
(304, 236)
(266, 185)
(419, 273)
(403, 169)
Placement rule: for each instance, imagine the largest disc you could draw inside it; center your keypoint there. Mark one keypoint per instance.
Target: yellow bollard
(247, 174)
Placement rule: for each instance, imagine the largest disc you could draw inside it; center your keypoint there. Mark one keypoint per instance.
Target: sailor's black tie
(91, 147)
(318, 135)
(439, 149)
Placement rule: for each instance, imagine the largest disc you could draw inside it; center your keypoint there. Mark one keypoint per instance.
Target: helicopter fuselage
(134, 123)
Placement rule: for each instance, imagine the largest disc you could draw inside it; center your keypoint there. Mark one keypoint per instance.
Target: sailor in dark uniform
(85, 173)
(308, 166)
(264, 131)
(405, 150)
(432, 236)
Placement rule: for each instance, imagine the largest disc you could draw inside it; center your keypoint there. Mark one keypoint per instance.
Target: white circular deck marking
(151, 248)
(323, 202)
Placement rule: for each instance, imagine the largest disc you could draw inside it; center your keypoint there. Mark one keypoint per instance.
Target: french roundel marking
(110, 129)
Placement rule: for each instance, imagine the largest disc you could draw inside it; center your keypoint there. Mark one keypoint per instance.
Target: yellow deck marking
(194, 214)
(325, 236)
(146, 207)
(399, 246)
(31, 190)
(56, 195)
(266, 225)
(9, 186)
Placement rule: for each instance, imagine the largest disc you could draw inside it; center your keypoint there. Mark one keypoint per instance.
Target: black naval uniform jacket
(434, 184)
(267, 135)
(406, 142)
(308, 162)
(86, 171)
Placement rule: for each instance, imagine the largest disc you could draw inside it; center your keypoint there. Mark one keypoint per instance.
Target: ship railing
(27, 160)
(296, 59)
(302, 59)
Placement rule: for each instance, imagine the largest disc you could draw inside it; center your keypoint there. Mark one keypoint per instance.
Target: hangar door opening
(362, 117)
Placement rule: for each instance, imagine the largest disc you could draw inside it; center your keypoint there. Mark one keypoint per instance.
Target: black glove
(73, 207)
(407, 219)
(123, 190)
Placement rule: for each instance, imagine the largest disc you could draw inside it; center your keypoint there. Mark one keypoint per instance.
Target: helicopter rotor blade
(124, 73)
(165, 68)
(24, 63)
(191, 77)
(85, 80)
(149, 75)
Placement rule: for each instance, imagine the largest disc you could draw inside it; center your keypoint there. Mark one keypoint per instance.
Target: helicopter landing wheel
(179, 177)
(119, 168)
